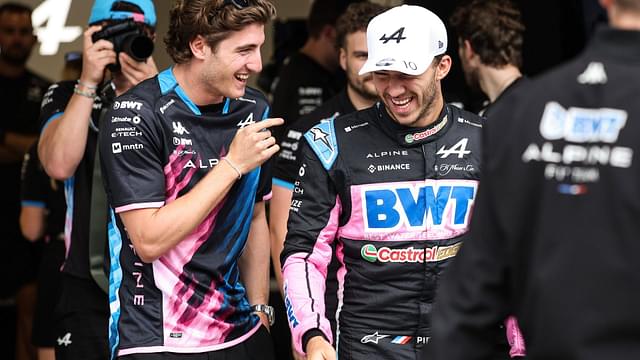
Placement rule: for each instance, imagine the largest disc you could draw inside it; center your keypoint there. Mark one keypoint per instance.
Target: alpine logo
(65, 340)
(459, 149)
(246, 122)
(178, 128)
(408, 255)
(397, 36)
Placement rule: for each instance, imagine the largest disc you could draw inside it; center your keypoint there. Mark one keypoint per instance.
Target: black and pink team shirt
(155, 146)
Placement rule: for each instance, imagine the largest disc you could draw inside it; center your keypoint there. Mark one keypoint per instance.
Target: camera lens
(139, 47)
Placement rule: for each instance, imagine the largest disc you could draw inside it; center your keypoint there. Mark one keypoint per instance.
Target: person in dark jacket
(554, 237)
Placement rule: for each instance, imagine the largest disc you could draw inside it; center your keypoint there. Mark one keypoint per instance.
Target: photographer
(71, 113)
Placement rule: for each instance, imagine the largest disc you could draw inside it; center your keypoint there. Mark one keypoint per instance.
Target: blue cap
(102, 11)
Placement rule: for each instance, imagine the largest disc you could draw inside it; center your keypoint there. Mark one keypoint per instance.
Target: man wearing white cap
(393, 185)
(67, 148)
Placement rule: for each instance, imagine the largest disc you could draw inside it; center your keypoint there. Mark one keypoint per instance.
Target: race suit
(398, 202)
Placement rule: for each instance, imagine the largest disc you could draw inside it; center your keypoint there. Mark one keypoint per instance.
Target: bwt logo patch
(133, 105)
(418, 205)
(290, 314)
(581, 125)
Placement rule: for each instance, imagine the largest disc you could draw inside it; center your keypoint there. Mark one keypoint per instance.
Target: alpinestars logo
(318, 134)
(373, 338)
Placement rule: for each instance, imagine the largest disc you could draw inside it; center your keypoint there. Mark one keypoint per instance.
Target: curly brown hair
(356, 18)
(213, 20)
(494, 28)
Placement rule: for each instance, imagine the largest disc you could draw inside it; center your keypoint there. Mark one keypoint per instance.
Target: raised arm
(64, 137)
(155, 231)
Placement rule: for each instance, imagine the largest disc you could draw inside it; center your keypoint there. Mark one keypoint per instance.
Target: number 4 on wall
(49, 20)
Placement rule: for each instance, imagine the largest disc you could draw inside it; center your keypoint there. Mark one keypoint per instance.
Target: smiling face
(413, 100)
(228, 66)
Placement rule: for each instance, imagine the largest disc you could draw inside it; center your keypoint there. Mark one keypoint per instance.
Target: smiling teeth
(242, 77)
(401, 102)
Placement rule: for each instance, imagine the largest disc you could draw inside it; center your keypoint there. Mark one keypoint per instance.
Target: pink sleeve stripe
(514, 337)
(268, 196)
(304, 275)
(147, 205)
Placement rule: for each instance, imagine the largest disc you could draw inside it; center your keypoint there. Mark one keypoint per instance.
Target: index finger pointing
(267, 123)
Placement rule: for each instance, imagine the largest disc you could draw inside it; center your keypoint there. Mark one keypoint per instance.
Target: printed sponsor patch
(408, 255)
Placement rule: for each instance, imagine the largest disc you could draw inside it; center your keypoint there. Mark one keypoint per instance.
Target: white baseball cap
(404, 38)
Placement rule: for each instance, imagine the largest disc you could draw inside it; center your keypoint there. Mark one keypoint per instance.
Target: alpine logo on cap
(397, 36)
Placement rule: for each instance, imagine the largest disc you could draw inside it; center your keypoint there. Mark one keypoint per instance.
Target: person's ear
(343, 59)
(443, 67)
(199, 47)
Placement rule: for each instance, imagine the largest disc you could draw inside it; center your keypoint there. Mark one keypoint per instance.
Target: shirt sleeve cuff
(308, 335)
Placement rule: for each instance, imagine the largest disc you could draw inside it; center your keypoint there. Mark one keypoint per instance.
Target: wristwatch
(267, 310)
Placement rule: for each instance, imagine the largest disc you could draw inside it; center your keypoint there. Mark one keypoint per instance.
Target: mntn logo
(383, 212)
(117, 148)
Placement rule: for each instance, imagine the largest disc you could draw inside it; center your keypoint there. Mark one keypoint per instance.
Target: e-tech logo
(408, 255)
(418, 205)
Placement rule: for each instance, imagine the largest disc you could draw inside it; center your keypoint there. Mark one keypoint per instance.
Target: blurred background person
(21, 93)
(490, 40)
(42, 219)
(71, 114)
(311, 75)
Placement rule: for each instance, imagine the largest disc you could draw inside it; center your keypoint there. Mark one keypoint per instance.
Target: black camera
(128, 36)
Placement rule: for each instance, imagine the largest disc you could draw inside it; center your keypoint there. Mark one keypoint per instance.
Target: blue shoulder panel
(322, 138)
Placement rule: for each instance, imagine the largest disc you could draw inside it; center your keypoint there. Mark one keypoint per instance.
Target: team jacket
(155, 146)
(555, 233)
(398, 202)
